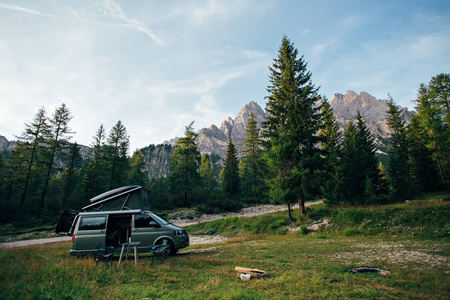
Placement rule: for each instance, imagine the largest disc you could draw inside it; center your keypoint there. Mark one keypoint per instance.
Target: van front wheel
(170, 247)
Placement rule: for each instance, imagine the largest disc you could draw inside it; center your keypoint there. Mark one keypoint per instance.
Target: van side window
(142, 220)
(92, 223)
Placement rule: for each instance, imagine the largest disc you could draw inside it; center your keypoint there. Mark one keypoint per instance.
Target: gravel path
(178, 219)
(188, 217)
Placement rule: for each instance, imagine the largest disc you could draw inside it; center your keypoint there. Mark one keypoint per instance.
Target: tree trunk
(290, 214)
(301, 207)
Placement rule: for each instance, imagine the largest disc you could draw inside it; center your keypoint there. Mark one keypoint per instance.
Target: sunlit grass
(398, 238)
(299, 266)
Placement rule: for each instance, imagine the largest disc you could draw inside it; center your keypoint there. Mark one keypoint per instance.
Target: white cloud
(306, 31)
(113, 9)
(20, 8)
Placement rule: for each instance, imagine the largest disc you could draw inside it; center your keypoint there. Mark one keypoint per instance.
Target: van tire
(171, 248)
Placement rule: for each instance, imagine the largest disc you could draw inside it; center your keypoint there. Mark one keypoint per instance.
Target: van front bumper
(183, 241)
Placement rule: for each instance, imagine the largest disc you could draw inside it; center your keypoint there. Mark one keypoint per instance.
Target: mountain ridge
(215, 139)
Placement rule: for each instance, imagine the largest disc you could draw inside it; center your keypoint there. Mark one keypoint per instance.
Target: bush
(218, 205)
(441, 232)
(304, 229)
(351, 231)
(352, 216)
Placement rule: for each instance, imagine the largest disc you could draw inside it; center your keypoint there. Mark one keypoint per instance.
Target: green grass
(311, 266)
(422, 219)
(399, 238)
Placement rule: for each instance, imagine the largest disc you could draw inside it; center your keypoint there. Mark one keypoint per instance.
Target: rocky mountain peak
(215, 139)
(373, 110)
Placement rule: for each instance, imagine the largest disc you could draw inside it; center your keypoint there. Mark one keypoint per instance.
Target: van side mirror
(154, 224)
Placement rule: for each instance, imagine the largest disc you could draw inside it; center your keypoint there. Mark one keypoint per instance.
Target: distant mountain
(5, 145)
(346, 107)
(215, 139)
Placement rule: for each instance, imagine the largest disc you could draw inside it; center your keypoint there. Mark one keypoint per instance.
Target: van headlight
(180, 232)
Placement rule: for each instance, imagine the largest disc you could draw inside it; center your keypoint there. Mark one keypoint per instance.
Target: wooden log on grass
(252, 272)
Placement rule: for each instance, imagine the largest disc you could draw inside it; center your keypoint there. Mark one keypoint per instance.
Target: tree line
(299, 154)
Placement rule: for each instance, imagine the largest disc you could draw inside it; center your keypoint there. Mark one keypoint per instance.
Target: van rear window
(92, 223)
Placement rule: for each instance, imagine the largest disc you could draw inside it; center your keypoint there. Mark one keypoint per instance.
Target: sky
(159, 65)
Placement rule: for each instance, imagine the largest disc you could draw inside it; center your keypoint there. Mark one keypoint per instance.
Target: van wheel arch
(171, 249)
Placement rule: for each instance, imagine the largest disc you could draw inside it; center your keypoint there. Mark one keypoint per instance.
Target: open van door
(65, 221)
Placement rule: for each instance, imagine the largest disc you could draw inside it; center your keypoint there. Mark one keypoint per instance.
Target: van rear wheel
(170, 247)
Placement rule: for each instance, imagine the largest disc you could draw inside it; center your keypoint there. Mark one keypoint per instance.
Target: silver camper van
(119, 216)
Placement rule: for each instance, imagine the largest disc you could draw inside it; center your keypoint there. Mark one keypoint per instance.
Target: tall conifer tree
(424, 171)
(184, 174)
(32, 142)
(57, 141)
(251, 167)
(117, 146)
(350, 172)
(399, 169)
(94, 178)
(291, 129)
(69, 175)
(137, 174)
(433, 113)
(330, 145)
(230, 172)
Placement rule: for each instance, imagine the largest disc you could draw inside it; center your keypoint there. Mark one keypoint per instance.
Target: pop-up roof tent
(124, 198)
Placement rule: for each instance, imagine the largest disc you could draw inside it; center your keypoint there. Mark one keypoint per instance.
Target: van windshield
(159, 219)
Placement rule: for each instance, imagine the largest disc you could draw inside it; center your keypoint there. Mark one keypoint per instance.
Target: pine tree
(93, 180)
(330, 145)
(291, 129)
(117, 146)
(57, 140)
(399, 169)
(207, 171)
(350, 189)
(30, 146)
(251, 167)
(69, 176)
(184, 174)
(424, 171)
(3, 173)
(230, 172)
(137, 175)
(367, 158)
(208, 187)
(433, 114)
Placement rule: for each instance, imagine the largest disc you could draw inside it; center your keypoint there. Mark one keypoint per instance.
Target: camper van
(119, 216)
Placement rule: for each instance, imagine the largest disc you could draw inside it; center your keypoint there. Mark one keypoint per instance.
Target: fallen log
(251, 272)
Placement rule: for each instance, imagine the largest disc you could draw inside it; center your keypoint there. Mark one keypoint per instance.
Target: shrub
(304, 229)
(441, 232)
(351, 231)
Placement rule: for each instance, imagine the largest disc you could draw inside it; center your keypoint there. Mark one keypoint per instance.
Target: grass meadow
(300, 265)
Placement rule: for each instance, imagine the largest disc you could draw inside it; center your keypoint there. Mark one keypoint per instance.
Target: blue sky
(159, 65)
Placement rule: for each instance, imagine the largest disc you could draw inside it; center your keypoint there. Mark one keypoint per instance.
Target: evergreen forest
(298, 155)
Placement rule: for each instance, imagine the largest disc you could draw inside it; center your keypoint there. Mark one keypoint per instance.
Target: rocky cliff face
(373, 110)
(5, 145)
(157, 160)
(215, 139)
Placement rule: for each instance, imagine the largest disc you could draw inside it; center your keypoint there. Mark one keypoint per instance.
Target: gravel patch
(393, 253)
(33, 242)
(190, 217)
